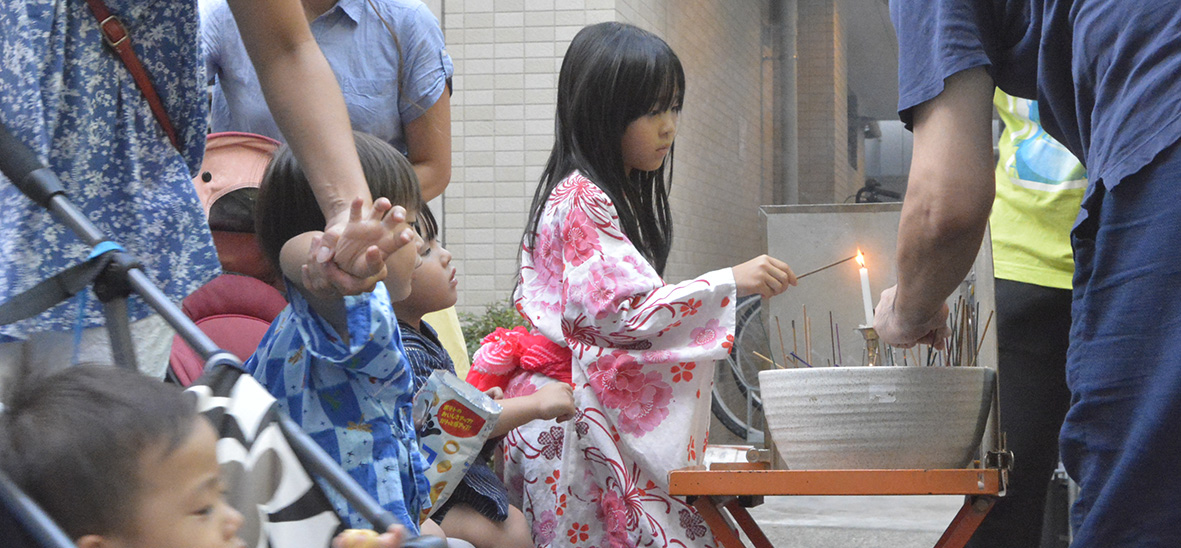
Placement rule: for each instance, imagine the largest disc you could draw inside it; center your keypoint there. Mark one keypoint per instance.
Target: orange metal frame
(715, 492)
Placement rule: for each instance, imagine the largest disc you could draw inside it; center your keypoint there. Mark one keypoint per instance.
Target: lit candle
(865, 298)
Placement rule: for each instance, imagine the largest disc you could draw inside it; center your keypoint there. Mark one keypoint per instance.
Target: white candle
(865, 298)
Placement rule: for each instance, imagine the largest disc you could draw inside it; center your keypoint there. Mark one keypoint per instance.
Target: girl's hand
(360, 245)
(555, 401)
(496, 393)
(763, 275)
(901, 332)
(365, 538)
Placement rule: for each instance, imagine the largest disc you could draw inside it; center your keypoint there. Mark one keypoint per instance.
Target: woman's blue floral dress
(67, 96)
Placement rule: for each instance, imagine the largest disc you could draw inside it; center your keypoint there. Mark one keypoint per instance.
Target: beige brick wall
(825, 173)
(507, 54)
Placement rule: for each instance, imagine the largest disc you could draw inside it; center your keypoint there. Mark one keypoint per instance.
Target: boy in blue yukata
(335, 362)
(478, 511)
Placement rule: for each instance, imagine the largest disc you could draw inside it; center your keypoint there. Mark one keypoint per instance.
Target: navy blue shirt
(1103, 71)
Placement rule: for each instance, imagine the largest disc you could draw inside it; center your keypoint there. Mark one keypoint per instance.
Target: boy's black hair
(612, 74)
(428, 227)
(286, 206)
(74, 442)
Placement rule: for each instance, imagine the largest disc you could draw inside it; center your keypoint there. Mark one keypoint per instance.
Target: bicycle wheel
(736, 400)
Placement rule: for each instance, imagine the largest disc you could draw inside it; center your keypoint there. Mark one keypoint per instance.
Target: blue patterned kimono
(354, 399)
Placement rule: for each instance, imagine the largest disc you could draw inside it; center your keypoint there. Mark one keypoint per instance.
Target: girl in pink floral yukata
(642, 352)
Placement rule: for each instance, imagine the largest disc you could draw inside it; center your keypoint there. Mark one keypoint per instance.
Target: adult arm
(949, 194)
(306, 103)
(428, 141)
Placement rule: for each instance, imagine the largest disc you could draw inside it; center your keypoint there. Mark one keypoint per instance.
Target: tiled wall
(507, 54)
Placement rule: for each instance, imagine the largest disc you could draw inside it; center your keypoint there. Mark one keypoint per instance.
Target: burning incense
(832, 338)
(779, 328)
(807, 335)
(982, 334)
(825, 267)
(794, 347)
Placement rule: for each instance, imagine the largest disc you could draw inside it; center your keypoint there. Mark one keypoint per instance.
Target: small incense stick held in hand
(827, 266)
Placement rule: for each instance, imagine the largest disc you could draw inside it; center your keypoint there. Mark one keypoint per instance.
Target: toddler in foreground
(120, 459)
(478, 511)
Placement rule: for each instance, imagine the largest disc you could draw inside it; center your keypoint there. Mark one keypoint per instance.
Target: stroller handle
(425, 542)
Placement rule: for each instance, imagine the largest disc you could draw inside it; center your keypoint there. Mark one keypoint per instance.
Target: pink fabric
(505, 353)
(641, 362)
(235, 311)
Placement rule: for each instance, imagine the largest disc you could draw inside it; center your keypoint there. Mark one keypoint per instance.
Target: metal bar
(687, 482)
(723, 533)
(748, 524)
(31, 517)
(964, 524)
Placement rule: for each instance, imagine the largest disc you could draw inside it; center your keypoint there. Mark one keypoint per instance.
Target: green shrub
(477, 326)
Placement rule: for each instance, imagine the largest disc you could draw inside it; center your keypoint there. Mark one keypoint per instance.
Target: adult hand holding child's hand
(763, 275)
(350, 256)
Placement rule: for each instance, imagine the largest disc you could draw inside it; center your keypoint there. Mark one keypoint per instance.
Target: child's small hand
(763, 275)
(495, 393)
(365, 538)
(360, 246)
(555, 401)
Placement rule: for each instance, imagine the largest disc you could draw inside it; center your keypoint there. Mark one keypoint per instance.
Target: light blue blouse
(362, 53)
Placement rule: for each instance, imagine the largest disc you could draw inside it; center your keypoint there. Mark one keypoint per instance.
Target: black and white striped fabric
(283, 507)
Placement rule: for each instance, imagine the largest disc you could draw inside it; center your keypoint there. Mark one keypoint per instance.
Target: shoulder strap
(117, 37)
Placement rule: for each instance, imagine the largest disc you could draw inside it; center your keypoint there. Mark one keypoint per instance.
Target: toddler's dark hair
(428, 227)
(286, 206)
(74, 442)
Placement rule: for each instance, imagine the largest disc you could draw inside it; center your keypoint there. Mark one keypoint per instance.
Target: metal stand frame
(714, 493)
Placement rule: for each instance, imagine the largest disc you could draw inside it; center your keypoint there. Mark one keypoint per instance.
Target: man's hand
(900, 332)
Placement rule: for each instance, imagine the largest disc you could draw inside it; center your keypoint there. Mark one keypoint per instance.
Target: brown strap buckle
(114, 33)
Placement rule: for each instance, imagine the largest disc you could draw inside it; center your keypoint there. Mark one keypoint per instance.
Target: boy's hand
(555, 401)
(365, 538)
(358, 247)
(763, 275)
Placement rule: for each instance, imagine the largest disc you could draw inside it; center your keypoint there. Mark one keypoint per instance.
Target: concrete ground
(856, 522)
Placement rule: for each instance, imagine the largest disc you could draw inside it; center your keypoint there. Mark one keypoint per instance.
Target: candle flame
(860, 258)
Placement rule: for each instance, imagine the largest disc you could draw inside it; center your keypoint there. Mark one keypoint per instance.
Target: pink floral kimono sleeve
(609, 297)
(642, 365)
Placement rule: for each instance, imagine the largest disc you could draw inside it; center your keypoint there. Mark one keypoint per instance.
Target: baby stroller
(236, 308)
(265, 454)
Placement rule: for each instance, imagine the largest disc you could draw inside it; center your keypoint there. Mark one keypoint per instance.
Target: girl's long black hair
(614, 73)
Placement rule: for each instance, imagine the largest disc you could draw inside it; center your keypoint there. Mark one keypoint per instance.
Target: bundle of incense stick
(963, 346)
